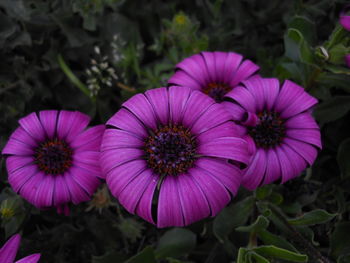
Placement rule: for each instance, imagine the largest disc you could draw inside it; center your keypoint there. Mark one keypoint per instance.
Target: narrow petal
(88, 157)
(112, 158)
(220, 61)
(227, 129)
(210, 65)
(233, 60)
(61, 194)
(289, 92)
(307, 151)
(144, 207)
(271, 91)
(212, 117)
(142, 109)
(130, 196)
(345, 21)
(301, 121)
(30, 259)
(160, 102)
(196, 105)
(273, 170)
(243, 97)
(89, 140)
(125, 120)
(77, 193)
(29, 190)
(21, 135)
(44, 193)
(9, 250)
(15, 162)
(21, 176)
(311, 136)
(229, 175)
(256, 87)
(235, 110)
(31, 124)
(114, 139)
(299, 105)
(245, 70)
(118, 178)
(48, 119)
(169, 204)
(226, 147)
(70, 124)
(183, 79)
(178, 97)
(18, 148)
(215, 193)
(193, 202)
(84, 179)
(255, 172)
(195, 67)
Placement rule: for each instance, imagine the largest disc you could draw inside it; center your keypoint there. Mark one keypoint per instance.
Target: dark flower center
(217, 90)
(54, 156)
(269, 130)
(170, 150)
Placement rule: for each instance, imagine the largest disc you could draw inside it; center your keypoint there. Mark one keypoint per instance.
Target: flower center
(217, 90)
(269, 130)
(54, 156)
(170, 150)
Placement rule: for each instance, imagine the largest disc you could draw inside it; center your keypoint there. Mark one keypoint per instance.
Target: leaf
(109, 257)
(176, 242)
(260, 223)
(263, 192)
(339, 240)
(296, 47)
(272, 239)
(305, 26)
(333, 109)
(337, 36)
(280, 253)
(231, 217)
(337, 54)
(343, 157)
(145, 256)
(317, 216)
(257, 258)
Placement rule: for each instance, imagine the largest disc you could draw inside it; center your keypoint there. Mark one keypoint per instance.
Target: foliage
(48, 48)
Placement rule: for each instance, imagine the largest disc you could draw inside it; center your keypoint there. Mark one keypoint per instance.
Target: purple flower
(174, 148)
(279, 128)
(345, 18)
(51, 159)
(214, 73)
(9, 250)
(347, 60)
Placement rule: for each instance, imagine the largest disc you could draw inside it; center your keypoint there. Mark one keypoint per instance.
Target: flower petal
(255, 85)
(227, 129)
(301, 121)
(86, 180)
(235, 110)
(30, 259)
(169, 205)
(271, 91)
(114, 139)
(228, 174)
(182, 79)
(70, 124)
(142, 109)
(307, 151)
(15, 162)
(18, 148)
(220, 61)
(245, 70)
(144, 207)
(33, 127)
(29, 190)
(233, 60)
(160, 102)
(243, 97)
(311, 136)
(289, 92)
(20, 176)
(89, 140)
(21, 135)
(48, 119)
(125, 120)
(300, 104)
(77, 193)
(273, 170)
(44, 193)
(61, 194)
(196, 68)
(226, 147)
(345, 21)
(9, 250)
(254, 173)
(178, 97)
(209, 59)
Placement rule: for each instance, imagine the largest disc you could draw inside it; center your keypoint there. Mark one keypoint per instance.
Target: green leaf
(337, 36)
(260, 223)
(280, 253)
(176, 242)
(317, 216)
(340, 241)
(257, 258)
(337, 54)
(263, 192)
(231, 217)
(296, 47)
(271, 239)
(241, 255)
(333, 109)
(305, 26)
(145, 256)
(343, 157)
(338, 69)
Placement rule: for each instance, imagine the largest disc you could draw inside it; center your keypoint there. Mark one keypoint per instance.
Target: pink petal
(30, 259)
(70, 124)
(300, 104)
(178, 97)
(183, 79)
(44, 193)
(77, 193)
(235, 110)
(114, 139)
(169, 204)
(29, 190)
(246, 69)
(18, 148)
(345, 21)
(307, 151)
(271, 91)
(21, 176)
(142, 109)
(89, 140)
(273, 170)
(216, 194)
(33, 127)
(15, 162)
(193, 202)
(311, 136)
(243, 97)
(254, 173)
(195, 67)
(301, 121)
(289, 92)
(9, 250)
(160, 102)
(220, 61)
(125, 120)
(209, 59)
(21, 135)
(229, 175)
(48, 119)
(61, 194)
(233, 60)
(226, 147)
(256, 87)
(86, 180)
(227, 129)
(118, 178)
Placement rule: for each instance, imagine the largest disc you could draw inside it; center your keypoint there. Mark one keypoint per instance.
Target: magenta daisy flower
(174, 148)
(52, 161)
(9, 250)
(213, 73)
(279, 128)
(345, 18)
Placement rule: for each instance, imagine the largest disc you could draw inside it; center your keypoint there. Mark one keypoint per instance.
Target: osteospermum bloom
(9, 250)
(177, 141)
(213, 73)
(345, 18)
(52, 160)
(278, 126)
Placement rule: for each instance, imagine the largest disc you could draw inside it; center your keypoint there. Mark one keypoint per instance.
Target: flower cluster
(173, 155)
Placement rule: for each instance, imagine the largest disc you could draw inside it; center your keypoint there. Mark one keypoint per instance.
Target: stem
(309, 248)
